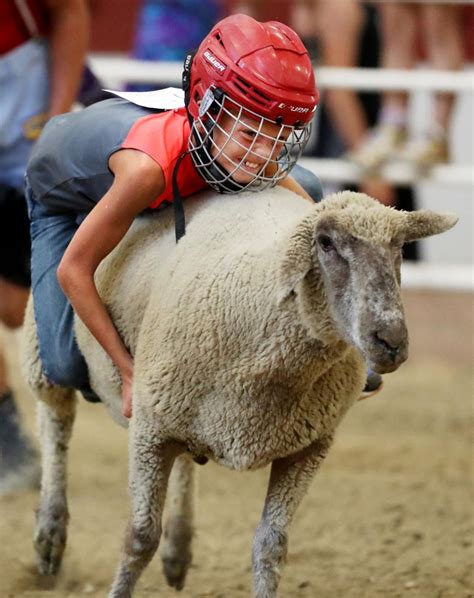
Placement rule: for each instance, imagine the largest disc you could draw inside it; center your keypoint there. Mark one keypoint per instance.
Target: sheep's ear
(297, 259)
(424, 223)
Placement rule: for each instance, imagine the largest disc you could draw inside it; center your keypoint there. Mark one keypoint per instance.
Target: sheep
(251, 338)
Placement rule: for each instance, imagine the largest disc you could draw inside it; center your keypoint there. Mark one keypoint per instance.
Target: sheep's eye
(325, 242)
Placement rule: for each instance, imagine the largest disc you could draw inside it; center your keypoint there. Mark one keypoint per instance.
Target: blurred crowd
(369, 130)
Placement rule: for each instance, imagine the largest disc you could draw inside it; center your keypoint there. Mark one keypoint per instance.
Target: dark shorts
(15, 248)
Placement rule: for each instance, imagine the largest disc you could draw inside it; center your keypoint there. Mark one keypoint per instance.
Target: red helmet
(264, 67)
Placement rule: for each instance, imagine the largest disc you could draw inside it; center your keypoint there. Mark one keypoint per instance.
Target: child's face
(243, 148)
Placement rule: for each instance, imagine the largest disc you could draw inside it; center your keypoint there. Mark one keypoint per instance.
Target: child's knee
(309, 181)
(66, 370)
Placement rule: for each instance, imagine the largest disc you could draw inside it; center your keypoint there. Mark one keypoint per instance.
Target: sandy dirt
(391, 513)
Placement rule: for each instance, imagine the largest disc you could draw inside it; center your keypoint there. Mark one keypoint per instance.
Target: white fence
(117, 68)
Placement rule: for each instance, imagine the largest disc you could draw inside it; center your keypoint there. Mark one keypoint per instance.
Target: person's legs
(19, 462)
(13, 300)
(339, 25)
(24, 102)
(398, 25)
(14, 256)
(62, 362)
(3, 376)
(445, 49)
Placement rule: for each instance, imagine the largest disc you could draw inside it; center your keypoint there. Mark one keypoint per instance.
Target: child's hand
(127, 394)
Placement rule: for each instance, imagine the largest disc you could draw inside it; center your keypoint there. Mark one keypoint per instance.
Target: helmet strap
(186, 81)
(179, 218)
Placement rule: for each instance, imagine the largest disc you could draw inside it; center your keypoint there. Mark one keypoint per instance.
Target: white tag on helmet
(206, 101)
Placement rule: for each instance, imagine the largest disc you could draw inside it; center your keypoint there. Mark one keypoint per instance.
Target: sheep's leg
(56, 413)
(151, 461)
(289, 481)
(178, 529)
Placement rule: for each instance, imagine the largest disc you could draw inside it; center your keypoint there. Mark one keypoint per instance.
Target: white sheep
(251, 339)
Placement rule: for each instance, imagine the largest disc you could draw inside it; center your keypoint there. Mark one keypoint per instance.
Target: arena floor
(390, 514)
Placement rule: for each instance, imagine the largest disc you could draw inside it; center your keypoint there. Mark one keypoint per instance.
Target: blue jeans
(309, 181)
(51, 233)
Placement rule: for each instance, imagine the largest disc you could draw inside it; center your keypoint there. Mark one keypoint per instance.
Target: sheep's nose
(393, 339)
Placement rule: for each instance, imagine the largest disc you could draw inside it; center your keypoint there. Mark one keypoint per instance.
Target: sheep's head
(348, 264)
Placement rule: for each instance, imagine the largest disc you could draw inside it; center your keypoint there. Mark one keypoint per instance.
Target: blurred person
(340, 28)
(334, 30)
(443, 44)
(93, 172)
(168, 29)
(264, 10)
(349, 36)
(42, 48)
(345, 38)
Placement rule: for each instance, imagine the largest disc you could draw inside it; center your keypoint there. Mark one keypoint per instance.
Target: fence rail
(114, 68)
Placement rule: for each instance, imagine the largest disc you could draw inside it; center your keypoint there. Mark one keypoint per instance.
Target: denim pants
(51, 233)
(309, 181)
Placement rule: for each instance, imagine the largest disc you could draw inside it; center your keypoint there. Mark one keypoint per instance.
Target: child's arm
(289, 183)
(138, 181)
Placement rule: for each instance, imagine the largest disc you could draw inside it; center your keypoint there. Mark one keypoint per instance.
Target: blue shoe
(19, 461)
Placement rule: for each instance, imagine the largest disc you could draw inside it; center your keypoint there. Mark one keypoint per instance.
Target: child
(250, 95)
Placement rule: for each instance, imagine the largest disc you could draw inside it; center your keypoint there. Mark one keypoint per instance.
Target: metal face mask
(235, 149)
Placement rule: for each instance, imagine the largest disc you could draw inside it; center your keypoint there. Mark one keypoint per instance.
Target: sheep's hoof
(50, 542)
(175, 570)
(176, 551)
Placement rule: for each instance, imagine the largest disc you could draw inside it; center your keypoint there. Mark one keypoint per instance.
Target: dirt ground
(391, 513)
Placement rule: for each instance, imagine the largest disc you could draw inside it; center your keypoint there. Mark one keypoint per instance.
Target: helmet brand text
(300, 109)
(209, 56)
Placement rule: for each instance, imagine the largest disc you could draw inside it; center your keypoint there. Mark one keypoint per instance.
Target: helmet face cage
(286, 145)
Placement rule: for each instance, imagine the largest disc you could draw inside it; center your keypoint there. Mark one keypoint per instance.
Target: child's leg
(309, 181)
(51, 233)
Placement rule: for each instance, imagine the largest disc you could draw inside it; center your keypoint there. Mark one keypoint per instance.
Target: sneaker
(19, 461)
(373, 385)
(425, 153)
(381, 145)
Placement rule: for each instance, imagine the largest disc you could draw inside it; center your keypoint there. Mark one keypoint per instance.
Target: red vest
(164, 137)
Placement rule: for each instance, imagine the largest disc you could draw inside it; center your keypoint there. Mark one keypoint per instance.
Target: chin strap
(179, 218)
(186, 81)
